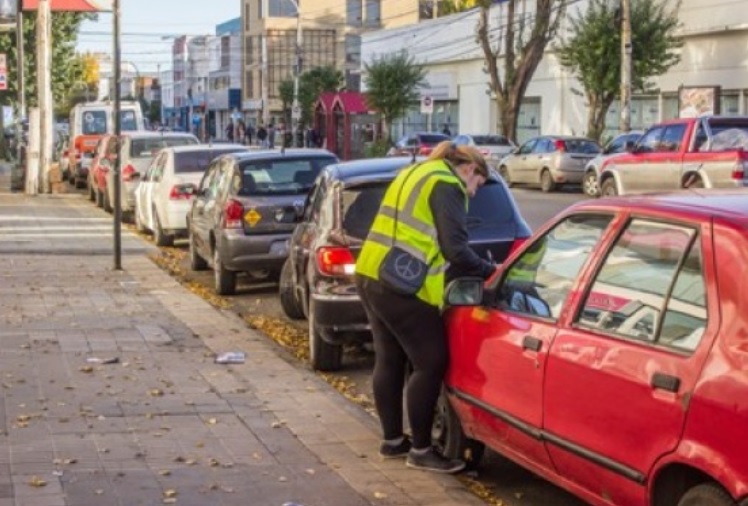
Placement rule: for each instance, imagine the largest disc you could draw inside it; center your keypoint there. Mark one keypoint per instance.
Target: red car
(610, 353)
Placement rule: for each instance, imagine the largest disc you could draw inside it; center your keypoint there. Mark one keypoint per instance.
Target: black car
(317, 279)
(236, 222)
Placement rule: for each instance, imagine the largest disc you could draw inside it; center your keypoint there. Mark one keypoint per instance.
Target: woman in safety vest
(419, 232)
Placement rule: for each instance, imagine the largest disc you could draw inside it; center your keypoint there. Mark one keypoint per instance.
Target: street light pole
(295, 108)
(117, 136)
(626, 50)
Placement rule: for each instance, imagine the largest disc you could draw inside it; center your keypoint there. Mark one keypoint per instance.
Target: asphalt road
(508, 483)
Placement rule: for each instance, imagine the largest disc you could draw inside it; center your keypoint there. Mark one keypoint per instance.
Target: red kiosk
(345, 123)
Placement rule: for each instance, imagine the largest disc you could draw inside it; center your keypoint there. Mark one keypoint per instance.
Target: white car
(493, 147)
(164, 196)
(618, 145)
(136, 154)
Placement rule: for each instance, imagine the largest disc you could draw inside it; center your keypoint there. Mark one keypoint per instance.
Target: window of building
(354, 15)
(282, 9)
(259, 9)
(318, 50)
(249, 51)
(246, 16)
(225, 52)
(373, 12)
(353, 50)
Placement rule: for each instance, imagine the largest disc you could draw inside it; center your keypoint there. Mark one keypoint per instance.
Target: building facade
(190, 64)
(330, 36)
(553, 104)
(224, 77)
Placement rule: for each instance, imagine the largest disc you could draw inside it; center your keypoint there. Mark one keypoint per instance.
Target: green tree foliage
(519, 40)
(593, 52)
(312, 84)
(392, 84)
(66, 67)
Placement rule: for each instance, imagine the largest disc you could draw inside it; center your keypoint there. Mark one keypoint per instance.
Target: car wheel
(546, 181)
(288, 299)
(706, 494)
(161, 237)
(225, 279)
(322, 355)
(693, 181)
(504, 172)
(107, 203)
(608, 188)
(589, 184)
(449, 438)
(99, 199)
(197, 263)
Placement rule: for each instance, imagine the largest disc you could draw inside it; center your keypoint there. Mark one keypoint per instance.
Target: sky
(145, 24)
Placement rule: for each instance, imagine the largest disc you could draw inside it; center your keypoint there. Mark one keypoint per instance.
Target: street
(257, 302)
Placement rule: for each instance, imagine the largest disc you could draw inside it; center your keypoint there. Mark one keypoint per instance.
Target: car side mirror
(465, 292)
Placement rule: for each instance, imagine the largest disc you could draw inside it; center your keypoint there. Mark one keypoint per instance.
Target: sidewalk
(164, 425)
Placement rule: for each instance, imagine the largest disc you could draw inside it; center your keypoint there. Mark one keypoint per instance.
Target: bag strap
(397, 202)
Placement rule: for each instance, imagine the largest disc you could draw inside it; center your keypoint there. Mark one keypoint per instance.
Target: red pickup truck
(705, 152)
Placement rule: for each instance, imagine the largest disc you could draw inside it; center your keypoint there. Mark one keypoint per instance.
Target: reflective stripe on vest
(416, 230)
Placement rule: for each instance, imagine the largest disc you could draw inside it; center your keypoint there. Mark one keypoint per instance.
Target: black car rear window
(197, 161)
(360, 207)
(147, 148)
(491, 140)
(282, 176)
(433, 138)
(581, 146)
(490, 204)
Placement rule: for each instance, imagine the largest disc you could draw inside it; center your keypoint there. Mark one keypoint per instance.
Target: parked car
(317, 279)
(136, 153)
(236, 222)
(492, 147)
(100, 166)
(164, 195)
(618, 145)
(608, 354)
(417, 144)
(704, 152)
(549, 161)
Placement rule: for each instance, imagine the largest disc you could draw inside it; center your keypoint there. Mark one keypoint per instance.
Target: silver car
(618, 145)
(549, 161)
(493, 147)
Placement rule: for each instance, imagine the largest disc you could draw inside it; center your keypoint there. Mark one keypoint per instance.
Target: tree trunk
(596, 113)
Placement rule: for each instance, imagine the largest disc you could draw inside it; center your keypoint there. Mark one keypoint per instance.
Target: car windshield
(94, 123)
(360, 207)
(147, 148)
(433, 138)
(491, 140)
(282, 176)
(197, 161)
(581, 146)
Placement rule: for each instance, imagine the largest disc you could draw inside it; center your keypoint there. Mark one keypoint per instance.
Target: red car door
(501, 351)
(619, 379)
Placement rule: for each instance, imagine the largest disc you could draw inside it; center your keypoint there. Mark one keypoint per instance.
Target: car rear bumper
(341, 319)
(241, 252)
(567, 175)
(176, 216)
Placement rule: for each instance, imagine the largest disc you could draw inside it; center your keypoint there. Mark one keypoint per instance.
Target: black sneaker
(434, 462)
(387, 451)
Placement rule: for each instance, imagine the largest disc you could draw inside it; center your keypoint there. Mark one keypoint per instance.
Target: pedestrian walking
(240, 131)
(420, 230)
(271, 136)
(248, 134)
(230, 131)
(262, 135)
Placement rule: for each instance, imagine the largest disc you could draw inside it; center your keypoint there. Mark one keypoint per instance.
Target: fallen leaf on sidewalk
(86, 369)
(155, 392)
(213, 463)
(170, 493)
(380, 495)
(212, 421)
(35, 481)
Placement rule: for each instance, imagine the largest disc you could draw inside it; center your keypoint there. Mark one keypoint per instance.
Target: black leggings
(405, 329)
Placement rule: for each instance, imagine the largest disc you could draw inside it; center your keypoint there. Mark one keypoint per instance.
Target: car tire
(504, 173)
(589, 184)
(288, 299)
(225, 279)
(547, 184)
(608, 188)
(197, 263)
(706, 494)
(161, 237)
(323, 356)
(693, 181)
(449, 438)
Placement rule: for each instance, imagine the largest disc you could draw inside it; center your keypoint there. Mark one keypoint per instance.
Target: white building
(712, 30)
(166, 80)
(190, 62)
(224, 76)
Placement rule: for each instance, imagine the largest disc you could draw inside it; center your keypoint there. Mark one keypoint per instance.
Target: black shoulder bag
(400, 271)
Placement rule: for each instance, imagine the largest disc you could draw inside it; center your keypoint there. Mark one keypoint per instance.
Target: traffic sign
(296, 112)
(3, 72)
(427, 105)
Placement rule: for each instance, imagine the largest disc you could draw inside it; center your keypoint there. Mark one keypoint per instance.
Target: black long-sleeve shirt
(447, 203)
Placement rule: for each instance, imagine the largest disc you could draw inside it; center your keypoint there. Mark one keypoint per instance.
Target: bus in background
(88, 123)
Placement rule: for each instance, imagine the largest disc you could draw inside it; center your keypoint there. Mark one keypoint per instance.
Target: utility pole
(117, 135)
(295, 108)
(626, 50)
(44, 79)
(21, 112)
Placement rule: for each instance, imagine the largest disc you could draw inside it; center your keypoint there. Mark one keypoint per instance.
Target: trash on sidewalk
(231, 357)
(97, 360)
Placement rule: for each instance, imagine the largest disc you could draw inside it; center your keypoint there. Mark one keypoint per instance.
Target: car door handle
(532, 344)
(665, 382)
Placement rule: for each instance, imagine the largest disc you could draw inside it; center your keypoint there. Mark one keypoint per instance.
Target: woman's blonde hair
(458, 155)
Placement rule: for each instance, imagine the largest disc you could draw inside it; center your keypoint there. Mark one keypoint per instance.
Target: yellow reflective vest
(416, 229)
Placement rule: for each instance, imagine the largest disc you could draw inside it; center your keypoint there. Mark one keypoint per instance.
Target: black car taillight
(233, 213)
(336, 261)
